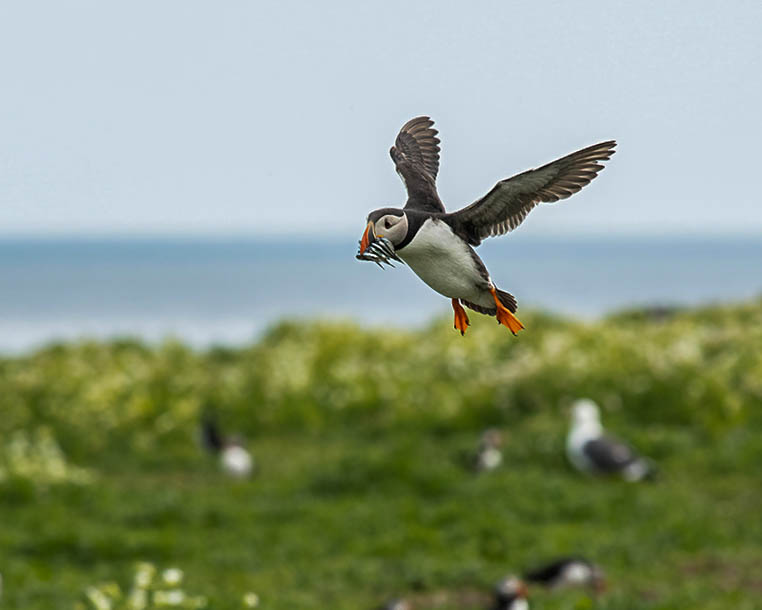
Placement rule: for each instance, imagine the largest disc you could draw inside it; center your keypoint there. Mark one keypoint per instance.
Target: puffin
(396, 604)
(439, 246)
(568, 572)
(592, 451)
(488, 455)
(234, 458)
(511, 594)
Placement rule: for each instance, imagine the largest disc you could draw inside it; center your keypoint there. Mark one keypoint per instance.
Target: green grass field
(361, 493)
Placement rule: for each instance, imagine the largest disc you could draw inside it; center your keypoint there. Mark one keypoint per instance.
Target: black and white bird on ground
(592, 451)
(438, 246)
(568, 572)
(396, 604)
(489, 454)
(511, 594)
(234, 458)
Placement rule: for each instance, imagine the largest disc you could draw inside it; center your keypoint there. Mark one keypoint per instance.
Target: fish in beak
(376, 248)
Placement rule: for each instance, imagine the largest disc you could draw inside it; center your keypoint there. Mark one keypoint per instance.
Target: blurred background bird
(568, 572)
(396, 604)
(234, 458)
(488, 455)
(592, 451)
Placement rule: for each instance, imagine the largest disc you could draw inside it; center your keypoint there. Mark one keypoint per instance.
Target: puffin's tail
(507, 299)
(505, 307)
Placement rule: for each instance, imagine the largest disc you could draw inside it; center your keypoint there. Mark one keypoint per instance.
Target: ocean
(227, 291)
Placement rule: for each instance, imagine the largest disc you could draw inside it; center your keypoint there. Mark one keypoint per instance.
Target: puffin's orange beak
(523, 590)
(367, 237)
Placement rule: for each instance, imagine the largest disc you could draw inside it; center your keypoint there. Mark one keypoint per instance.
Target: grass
(361, 493)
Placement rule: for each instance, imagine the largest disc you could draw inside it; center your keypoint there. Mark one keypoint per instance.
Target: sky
(275, 118)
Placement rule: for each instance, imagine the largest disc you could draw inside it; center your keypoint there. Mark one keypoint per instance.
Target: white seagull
(591, 451)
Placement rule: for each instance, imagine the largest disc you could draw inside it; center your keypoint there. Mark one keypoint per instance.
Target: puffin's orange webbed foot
(461, 319)
(504, 315)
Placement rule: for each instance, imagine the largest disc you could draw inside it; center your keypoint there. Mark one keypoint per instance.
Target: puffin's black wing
(508, 203)
(550, 573)
(609, 454)
(418, 141)
(416, 156)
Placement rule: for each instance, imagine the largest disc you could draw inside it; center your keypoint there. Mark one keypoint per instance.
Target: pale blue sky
(276, 117)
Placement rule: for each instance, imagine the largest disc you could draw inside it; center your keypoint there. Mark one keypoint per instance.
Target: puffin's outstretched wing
(508, 203)
(416, 156)
(418, 141)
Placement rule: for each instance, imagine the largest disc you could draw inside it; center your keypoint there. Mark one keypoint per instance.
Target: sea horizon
(227, 289)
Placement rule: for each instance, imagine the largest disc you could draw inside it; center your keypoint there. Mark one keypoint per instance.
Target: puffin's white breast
(444, 261)
(520, 604)
(576, 573)
(236, 461)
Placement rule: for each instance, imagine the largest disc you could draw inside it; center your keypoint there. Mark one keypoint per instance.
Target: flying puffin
(437, 245)
(568, 572)
(234, 458)
(590, 450)
(511, 594)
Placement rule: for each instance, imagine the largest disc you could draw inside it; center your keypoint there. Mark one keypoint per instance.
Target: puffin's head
(389, 223)
(585, 411)
(491, 437)
(510, 593)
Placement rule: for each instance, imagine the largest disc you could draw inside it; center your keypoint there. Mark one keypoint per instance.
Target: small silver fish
(380, 251)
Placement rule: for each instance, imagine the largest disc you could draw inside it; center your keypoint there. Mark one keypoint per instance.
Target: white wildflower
(138, 599)
(173, 597)
(98, 598)
(172, 576)
(144, 573)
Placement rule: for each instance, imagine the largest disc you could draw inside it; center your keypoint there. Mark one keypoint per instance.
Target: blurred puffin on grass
(234, 458)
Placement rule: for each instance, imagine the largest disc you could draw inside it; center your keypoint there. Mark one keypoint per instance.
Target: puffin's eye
(387, 223)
